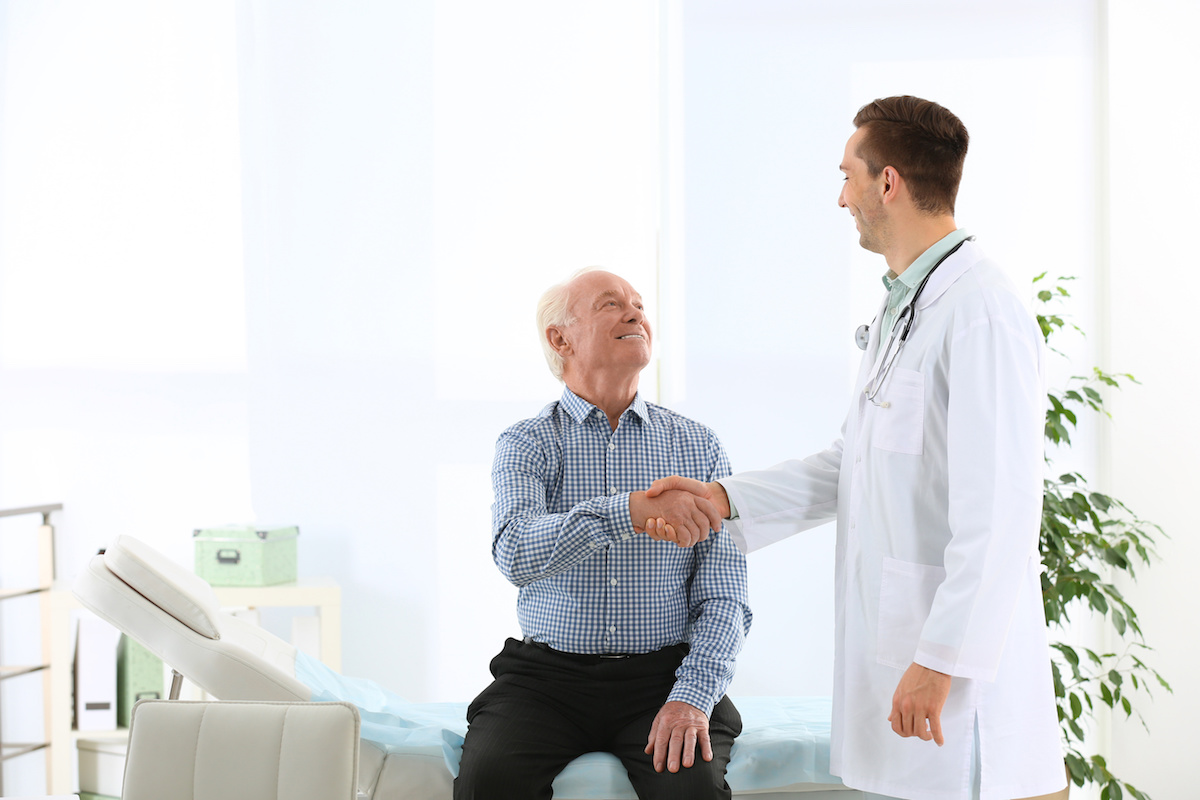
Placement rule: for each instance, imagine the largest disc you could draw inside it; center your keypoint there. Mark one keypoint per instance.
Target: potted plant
(1088, 537)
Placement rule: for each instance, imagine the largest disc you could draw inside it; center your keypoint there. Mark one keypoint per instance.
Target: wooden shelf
(8, 750)
(44, 578)
(5, 594)
(14, 671)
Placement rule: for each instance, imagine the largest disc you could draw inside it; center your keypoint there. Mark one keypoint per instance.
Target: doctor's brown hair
(923, 141)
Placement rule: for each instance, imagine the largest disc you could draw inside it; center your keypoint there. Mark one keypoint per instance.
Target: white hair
(554, 311)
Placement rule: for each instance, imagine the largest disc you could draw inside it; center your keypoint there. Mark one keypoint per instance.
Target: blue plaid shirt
(588, 584)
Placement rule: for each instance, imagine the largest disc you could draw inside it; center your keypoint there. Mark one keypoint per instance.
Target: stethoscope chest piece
(862, 335)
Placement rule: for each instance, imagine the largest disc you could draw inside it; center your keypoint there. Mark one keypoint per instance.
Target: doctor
(942, 686)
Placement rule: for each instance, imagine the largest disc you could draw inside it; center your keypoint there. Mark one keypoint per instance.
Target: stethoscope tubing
(910, 309)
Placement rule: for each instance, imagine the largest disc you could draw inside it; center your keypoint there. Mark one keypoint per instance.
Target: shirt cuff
(614, 510)
(693, 696)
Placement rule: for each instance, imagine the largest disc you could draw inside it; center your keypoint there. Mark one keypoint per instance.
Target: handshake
(679, 510)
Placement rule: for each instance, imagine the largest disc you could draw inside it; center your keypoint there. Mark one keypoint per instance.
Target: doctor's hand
(919, 697)
(676, 731)
(689, 517)
(711, 492)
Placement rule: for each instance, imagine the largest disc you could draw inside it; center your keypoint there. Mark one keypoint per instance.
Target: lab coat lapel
(950, 271)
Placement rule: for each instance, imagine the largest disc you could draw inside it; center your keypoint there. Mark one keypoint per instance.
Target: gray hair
(554, 311)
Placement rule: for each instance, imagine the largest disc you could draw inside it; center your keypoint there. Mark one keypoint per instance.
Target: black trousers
(545, 708)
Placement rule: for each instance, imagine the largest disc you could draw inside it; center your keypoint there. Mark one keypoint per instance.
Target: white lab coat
(937, 493)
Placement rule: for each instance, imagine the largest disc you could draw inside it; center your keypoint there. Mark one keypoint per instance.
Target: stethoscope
(908, 316)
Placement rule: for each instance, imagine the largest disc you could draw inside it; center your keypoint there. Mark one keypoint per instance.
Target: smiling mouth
(632, 336)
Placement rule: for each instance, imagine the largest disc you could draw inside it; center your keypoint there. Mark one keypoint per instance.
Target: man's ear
(557, 341)
(891, 184)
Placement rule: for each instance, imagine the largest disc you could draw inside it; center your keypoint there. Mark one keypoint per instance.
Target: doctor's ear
(891, 183)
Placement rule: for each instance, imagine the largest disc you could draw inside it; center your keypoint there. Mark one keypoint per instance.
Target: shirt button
(612, 446)
(612, 629)
(612, 490)
(613, 581)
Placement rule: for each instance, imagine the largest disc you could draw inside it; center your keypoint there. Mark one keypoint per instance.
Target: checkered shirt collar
(581, 409)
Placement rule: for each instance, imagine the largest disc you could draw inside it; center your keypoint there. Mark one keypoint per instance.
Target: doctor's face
(861, 195)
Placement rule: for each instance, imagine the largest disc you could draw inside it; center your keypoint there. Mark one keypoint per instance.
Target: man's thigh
(704, 780)
(516, 744)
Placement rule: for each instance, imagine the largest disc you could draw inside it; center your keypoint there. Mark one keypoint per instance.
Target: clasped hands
(679, 510)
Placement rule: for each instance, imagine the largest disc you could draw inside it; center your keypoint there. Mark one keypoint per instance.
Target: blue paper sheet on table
(784, 741)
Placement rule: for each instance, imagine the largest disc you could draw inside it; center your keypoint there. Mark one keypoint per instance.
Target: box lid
(237, 533)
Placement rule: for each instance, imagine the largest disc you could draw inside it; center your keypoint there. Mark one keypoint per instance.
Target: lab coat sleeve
(994, 467)
(719, 609)
(794, 496)
(529, 542)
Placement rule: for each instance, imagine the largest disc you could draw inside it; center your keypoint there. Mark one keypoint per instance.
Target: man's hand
(919, 697)
(689, 517)
(676, 731)
(663, 529)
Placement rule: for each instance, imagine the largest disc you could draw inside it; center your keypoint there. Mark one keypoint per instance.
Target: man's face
(861, 195)
(610, 328)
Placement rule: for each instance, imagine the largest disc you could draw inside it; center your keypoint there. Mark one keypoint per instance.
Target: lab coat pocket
(906, 593)
(900, 416)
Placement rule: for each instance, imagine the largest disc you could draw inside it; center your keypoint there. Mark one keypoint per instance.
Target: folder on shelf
(96, 675)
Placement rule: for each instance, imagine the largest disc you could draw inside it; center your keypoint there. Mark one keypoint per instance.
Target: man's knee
(704, 780)
(492, 772)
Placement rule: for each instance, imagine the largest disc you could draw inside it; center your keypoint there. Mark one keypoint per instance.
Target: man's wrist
(694, 697)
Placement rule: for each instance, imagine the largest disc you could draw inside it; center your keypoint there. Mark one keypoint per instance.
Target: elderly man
(629, 643)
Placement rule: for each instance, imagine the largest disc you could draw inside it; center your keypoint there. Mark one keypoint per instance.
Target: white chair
(242, 751)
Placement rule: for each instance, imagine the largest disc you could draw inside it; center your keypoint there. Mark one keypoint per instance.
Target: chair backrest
(242, 751)
(174, 614)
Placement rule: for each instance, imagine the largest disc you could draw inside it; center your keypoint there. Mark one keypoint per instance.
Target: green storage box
(139, 677)
(246, 555)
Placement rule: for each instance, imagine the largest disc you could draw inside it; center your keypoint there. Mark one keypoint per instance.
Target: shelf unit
(323, 594)
(45, 582)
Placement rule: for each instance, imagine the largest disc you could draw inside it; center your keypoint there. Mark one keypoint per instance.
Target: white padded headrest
(180, 593)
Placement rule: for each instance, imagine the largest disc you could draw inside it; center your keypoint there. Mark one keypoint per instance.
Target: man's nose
(636, 315)
(842, 197)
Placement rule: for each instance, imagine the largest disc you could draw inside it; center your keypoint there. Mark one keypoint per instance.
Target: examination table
(409, 751)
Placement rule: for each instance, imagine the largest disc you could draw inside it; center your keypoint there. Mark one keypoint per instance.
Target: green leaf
(1075, 729)
(1079, 770)
(1076, 706)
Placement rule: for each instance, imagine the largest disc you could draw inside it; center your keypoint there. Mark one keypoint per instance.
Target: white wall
(1155, 66)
